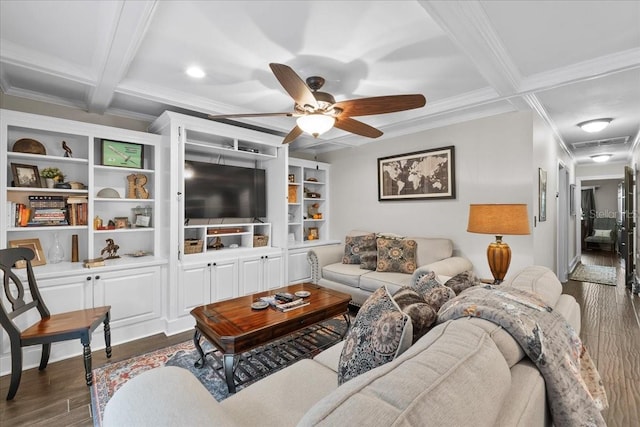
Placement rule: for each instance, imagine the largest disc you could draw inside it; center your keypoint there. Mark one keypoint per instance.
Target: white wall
(546, 155)
(605, 195)
(493, 162)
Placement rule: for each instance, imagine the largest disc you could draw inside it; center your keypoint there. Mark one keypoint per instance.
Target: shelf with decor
(73, 154)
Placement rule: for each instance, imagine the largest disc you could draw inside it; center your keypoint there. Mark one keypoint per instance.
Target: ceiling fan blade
(359, 128)
(380, 104)
(231, 116)
(295, 132)
(294, 85)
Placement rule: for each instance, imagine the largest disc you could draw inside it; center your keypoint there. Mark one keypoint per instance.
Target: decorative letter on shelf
(136, 188)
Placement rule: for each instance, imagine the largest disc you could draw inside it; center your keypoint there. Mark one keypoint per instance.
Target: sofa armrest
(446, 267)
(167, 396)
(320, 256)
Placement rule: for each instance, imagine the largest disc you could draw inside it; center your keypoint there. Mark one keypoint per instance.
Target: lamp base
(499, 258)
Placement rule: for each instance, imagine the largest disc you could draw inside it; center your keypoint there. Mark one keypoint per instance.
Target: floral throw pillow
(433, 292)
(355, 245)
(380, 333)
(396, 255)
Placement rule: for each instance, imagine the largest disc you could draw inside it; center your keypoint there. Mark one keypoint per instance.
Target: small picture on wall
(542, 195)
(428, 174)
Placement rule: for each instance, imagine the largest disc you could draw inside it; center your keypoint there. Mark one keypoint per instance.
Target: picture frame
(143, 220)
(314, 233)
(121, 222)
(122, 154)
(25, 175)
(542, 195)
(420, 175)
(572, 199)
(35, 246)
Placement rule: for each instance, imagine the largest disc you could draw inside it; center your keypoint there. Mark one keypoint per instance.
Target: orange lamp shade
(499, 220)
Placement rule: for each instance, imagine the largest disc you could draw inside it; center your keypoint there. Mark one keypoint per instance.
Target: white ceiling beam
(467, 25)
(129, 30)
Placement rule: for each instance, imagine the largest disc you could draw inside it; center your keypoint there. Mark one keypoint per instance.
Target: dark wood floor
(611, 332)
(58, 396)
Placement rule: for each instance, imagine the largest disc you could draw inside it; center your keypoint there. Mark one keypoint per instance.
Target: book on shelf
(94, 262)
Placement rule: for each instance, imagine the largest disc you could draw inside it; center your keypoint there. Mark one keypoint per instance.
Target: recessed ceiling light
(601, 157)
(195, 72)
(596, 125)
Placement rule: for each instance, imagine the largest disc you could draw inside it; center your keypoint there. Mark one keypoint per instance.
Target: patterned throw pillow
(395, 255)
(355, 245)
(433, 292)
(462, 281)
(437, 296)
(426, 283)
(423, 316)
(368, 260)
(380, 333)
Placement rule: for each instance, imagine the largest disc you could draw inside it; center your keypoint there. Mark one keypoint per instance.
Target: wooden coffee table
(234, 327)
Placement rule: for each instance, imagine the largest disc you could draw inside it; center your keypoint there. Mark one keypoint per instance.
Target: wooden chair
(50, 328)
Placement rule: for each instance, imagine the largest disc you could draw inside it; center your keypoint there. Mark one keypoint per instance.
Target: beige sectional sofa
(432, 254)
(462, 372)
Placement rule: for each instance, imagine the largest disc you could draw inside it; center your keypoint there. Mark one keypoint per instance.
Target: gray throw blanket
(575, 393)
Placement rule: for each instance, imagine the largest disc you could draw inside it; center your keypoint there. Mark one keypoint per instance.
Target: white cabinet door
(299, 269)
(194, 288)
(66, 293)
(134, 295)
(272, 272)
(224, 280)
(251, 275)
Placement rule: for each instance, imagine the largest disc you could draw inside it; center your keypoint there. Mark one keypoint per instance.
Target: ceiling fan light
(195, 72)
(599, 158)
(596, 125)
(315, 124)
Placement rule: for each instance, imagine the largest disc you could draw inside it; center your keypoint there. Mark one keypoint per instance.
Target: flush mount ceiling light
(315, 124)
(195, 72)
(596, 125)
(599, 158)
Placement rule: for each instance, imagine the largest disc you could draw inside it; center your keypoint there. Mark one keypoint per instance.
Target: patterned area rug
(252, 366)
(594, 274)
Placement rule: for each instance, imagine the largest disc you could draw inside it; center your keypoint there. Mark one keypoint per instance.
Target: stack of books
(47, 210)
(78, 210)
(284, 305)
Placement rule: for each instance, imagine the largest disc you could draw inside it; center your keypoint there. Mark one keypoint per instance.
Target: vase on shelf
(50, 182)
(56, 251)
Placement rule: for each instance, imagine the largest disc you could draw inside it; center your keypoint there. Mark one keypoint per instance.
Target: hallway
(611, 332)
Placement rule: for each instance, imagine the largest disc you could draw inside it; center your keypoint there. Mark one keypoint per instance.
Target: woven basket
(260, 240)
(193, 246)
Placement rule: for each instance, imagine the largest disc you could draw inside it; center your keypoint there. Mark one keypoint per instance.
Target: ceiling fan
(317, 112)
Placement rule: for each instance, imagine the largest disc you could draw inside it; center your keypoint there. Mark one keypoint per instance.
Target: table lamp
(499, 220)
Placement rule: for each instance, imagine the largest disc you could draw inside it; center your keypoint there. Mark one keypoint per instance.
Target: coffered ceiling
(570, 61)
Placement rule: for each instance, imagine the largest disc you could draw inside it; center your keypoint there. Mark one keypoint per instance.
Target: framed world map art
(428, 174)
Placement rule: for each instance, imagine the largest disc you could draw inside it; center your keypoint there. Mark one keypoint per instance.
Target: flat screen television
(222, 191)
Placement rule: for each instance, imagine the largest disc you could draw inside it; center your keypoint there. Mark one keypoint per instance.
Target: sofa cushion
(347, 274)
(373, 280)
(355, 245)
(462, 281)
(380, 333)
(267, 400)
(454, 375)
(396, 255)
(430, 250)
(423, 316)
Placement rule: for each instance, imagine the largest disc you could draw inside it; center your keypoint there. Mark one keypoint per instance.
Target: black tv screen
(221, 191)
